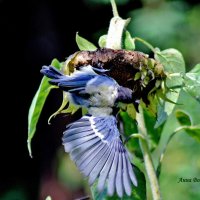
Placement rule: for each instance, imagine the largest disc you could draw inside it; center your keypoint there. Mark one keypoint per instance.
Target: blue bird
(94, 141)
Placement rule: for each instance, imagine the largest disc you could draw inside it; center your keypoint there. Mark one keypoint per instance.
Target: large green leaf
(37, 105)
(173, 62)
(138, 193)
(84, 44)
(191, 82)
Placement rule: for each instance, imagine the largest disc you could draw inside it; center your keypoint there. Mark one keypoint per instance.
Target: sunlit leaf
(129, 42)
(37, 105)
(191, 82)
(102, 41)
(173, 62)
(183, 118)
(84, 44)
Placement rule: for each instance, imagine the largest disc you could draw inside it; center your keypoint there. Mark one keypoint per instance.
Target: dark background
(32, 34)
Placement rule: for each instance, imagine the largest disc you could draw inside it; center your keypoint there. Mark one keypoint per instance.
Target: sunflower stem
(149, 167)
(146, 44)
(114, 8)
(115, 30)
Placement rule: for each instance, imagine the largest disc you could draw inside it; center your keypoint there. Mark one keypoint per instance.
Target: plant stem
(146, 44)
(114, 8)
(175, 74)
(151, 174)
(134, 135)
(116, 28)
(114, 37)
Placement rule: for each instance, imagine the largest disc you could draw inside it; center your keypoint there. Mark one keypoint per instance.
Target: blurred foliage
(14, 194)
(67, 172)
(168, 24)
(181, 159)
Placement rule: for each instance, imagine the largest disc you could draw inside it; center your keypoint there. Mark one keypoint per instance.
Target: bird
(93, 141)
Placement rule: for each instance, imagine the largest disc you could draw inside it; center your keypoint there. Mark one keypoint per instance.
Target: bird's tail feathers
(51, 72)
(73, 83)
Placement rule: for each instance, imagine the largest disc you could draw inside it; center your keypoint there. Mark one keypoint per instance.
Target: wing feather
(95, 146)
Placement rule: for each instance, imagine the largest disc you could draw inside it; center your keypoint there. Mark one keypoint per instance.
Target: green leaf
(102, 41)
(173, 62)
(64, 103)
(191, 82)
(196, 69)
(131, 111)
(84, 44)
(194, 132)
(129, 128)
(183, 118)
(153, 133)
(129, 42)
(72, 108)
(37, 105)
(129, 124)
(138, 193)
(187, 125)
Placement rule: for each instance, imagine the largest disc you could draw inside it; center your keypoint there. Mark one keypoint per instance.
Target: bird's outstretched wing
(95, 146)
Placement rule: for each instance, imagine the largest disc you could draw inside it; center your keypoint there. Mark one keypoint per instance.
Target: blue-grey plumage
(94, 140)
(99, 153)
(87, 88)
